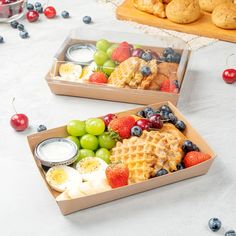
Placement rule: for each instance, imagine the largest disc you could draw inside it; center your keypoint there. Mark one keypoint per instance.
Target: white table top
(184, 208)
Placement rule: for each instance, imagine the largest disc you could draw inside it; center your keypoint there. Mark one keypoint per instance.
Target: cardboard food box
(69, 206)
(112, 93)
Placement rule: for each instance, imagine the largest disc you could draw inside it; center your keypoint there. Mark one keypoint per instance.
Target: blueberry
(177, 58)
(30, 7)
(180, 125)
(136, 131)
(165, 115)
(14, 24)
(149, 114)
(1, 39)
(141, 113)
(195, 148)
(166, 108)
(176, 83)
(214, 224)
(20, 27)
(65, 14)
(172, 118)
(39, 9)
(37, 4)
(168, 51)
(161, 172)
(41, 128)
(146, 71)
(147, 56)
(187, 146)
(162, 59)
(148, 110)
(170, 58)
(180, 166)
(87, 19)
(24, 34)
(230, 233)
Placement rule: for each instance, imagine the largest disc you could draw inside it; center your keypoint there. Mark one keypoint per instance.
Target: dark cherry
(156, 121)
(144, 124)
(108, 118)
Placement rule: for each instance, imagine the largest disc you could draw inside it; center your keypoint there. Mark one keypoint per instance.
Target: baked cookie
(209, 5)
(183, 11)
(224, 16)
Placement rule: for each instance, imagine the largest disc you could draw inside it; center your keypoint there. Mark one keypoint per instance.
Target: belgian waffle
(152, 151)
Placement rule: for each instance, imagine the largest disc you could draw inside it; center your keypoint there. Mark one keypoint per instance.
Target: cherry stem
(227, 59)
(13, 105)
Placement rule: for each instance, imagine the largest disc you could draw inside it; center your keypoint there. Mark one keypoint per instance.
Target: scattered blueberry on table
(214, 224)
(87, 19)
(37, 4)
(65, 14)
(14, 24)
(20, 27)
(30, 7)
(1, 39)
(39, 9)
(24, 34)
(41, 128)
(230, 233)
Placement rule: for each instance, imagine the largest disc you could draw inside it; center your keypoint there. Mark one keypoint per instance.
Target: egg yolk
(89, 165)
(59, 176)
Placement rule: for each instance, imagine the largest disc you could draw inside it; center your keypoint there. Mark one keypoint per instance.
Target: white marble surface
(26, 207)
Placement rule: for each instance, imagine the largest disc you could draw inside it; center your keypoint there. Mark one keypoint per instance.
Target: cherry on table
(19, 121)
(32, 16)
(50, 12)
(229, 76)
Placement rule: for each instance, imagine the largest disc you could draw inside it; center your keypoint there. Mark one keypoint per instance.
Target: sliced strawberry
(117, 175)
(98, 77)
(169, 86)
(122, 52)
(194, 158)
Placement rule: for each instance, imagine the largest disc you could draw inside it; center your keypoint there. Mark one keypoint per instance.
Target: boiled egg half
(63, 177)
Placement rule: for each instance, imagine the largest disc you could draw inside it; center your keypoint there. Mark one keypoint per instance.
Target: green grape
(76, 128)
(100, 57)
(102, 45)
(106, 141)
(104, 154)
(108, 67)
(137, 46)
(111, 49)
(95, 126)
(82, 153)
(89, 141)
(75, 140)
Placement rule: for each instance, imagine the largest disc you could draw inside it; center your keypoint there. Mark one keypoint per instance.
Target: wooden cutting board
(202, 27)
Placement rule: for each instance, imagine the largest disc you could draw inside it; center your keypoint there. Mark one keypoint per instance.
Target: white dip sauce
(56, 151)
(82, 55)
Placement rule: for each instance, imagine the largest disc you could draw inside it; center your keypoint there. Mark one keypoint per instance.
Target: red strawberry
(122, 52)
(194, 158)
(98, 78)
(117, 175)
(169, 86)
(122, 126)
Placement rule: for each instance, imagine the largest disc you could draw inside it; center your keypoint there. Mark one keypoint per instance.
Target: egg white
(63, 177)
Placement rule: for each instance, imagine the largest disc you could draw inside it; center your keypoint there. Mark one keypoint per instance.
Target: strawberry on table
(169, 86)
(194, 158)
(121, 127)
(117, 175)
(98, 78)
(122, 52)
